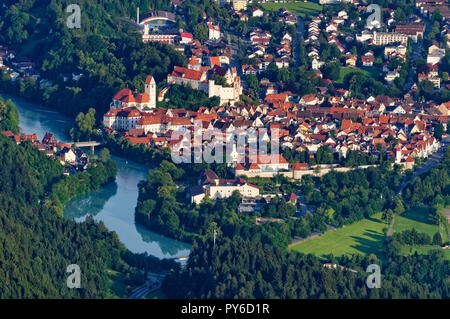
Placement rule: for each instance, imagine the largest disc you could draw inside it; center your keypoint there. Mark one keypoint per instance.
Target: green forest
(106, 50)
(247, 260)
(251, 261)
(38, 243)
(238, 268)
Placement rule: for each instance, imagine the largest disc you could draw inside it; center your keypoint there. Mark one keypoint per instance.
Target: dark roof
(196, 190)
(207, 177)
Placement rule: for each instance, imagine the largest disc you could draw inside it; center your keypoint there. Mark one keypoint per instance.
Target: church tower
(150, 89)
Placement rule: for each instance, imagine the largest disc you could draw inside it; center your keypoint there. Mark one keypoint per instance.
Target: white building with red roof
(217, 188)
(213, 32)
(125, 98)
(186, 37)
(122, 119)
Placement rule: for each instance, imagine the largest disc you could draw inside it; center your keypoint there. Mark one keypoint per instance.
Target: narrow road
(432, 161)
(416, 53)
(153, 282)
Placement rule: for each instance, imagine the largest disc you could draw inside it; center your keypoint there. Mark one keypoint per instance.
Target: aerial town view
(224, 149)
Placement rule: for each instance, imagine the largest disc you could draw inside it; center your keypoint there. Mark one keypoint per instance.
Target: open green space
(444, 228)
(368, 71)
(423, 250)
(300, 8)
(363, 237)
(417, 218)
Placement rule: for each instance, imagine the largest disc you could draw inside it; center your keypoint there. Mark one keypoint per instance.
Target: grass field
(368, 71)
(423, 250)
(417, 218)
(364, 237)
(300, 8)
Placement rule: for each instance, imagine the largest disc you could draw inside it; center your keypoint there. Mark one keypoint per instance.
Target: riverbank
(114, 204)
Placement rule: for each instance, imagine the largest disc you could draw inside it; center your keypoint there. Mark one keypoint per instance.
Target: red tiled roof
(180, 121)
(138, 140)
(215, 60)
(149, 120)
(186, 35)
(148, 79)
(181, 72)
(193, 61)
(143, 98)
(300, 166)
(122, 93)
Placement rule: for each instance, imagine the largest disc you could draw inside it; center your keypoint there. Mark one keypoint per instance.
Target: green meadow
(423, 250)
(363, 237)
(368, 71)
(300, 8)
(417, 218)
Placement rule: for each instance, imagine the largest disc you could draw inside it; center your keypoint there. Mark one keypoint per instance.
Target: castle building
(198, 80)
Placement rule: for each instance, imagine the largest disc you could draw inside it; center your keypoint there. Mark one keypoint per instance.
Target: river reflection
(115, 203)
(92, 203)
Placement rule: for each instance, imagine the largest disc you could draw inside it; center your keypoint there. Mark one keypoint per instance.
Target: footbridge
(91, 144)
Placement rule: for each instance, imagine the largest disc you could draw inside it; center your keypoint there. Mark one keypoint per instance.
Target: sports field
(364, 237)
(300, 8)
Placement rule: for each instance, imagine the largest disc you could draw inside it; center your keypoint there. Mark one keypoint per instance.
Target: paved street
(432, 161)
(152, 283)
(416, 53)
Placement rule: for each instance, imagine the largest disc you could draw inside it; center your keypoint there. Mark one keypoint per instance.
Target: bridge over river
(91, 144)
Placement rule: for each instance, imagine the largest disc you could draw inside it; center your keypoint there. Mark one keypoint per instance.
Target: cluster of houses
(244, 16)
(23, 68)
(312, 39)
(17, 66)
(431, 74)
(394, 42)
(303, 124)
(428, 7)
(287, 17)
(435, 52)
(73, 159)
(260, 41)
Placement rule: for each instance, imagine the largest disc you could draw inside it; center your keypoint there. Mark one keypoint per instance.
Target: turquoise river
(114, 204)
